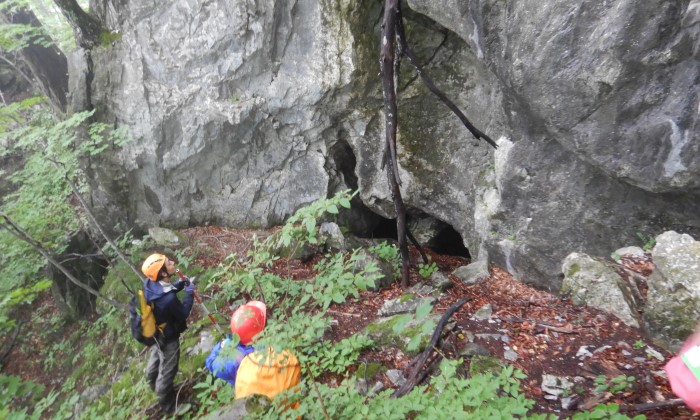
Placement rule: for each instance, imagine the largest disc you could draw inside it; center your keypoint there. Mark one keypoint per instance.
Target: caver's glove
(187, 281)
(189, 288)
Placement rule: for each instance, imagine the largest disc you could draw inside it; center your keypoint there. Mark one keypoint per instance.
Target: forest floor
(544, 333)
(548, 333)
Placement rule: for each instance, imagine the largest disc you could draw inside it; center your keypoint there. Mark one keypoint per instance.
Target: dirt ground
(544, 332)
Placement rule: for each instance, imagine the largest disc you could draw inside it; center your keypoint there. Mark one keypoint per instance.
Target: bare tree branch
(15, 230)
(638, 408)
(95, 223)
(389, 63)
(431, 86)
(93, 220)
(421, 360)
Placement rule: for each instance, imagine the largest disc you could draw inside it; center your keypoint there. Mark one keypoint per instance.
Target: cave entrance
(449, 242)
(385, 229)
(430, 233)
(364, 223)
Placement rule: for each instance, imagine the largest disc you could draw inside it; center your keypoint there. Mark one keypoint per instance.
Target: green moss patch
(382, 333)
(481, 365)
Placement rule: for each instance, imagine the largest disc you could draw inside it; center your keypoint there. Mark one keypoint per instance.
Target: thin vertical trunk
(389, 63)
(47, 64)
(393, 47)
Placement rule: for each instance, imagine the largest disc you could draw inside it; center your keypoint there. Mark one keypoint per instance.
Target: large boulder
(669, 310)
(241, 112)
(596, 284)
(673, 306)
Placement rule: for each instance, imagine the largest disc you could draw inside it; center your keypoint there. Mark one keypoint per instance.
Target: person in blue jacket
(225, 358)
(171, 320)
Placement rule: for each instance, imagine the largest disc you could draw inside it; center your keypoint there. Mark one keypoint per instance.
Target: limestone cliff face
(243, 111)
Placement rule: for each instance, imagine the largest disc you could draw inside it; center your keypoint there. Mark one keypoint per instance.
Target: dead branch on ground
(416, 377)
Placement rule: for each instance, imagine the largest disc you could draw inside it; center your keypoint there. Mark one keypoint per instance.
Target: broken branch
(415, 377)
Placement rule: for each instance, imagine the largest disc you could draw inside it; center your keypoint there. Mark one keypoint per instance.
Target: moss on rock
(485, 364)
(382, 333)
(369, 370)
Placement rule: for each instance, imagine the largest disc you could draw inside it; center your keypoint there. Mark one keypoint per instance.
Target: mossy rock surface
(369, 371)
(406, 297)
(382, 333)
(250, 407)
(481, 365)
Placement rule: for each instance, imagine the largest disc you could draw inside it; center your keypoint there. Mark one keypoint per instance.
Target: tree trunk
(393, 47)
(87, 28)
(48, 65)
(389, 63)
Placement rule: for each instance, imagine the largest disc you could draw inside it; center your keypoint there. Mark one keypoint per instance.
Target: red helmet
(249, 320)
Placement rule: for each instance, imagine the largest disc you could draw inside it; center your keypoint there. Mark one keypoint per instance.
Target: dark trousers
(161, 369)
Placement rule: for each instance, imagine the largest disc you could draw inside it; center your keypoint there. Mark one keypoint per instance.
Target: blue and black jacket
(224, 359)
(167, 307)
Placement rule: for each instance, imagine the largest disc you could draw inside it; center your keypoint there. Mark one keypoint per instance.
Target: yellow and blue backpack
(143, 320)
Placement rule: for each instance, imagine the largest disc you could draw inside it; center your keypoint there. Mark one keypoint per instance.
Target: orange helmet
(249, 320)
(151, 267)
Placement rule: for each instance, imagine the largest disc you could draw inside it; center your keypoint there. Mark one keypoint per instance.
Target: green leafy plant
(19, 296)
(604, 411)
(212, 393)
(426, 270)
(639, 344)
(617, 384)
(13, 388)
(48, 175)
(648, 242)
(421, 318)
(184, 257)
(337, 279)
(386, 251)
(389, 253)
(301, 227)
(335, 358)
(483, 396)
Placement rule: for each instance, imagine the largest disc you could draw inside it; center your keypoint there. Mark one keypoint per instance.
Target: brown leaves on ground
(544, 330)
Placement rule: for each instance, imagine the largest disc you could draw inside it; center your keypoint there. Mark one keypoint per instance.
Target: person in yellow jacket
(263, 371)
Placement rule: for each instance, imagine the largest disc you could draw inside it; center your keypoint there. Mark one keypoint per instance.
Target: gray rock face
(473, 273)
(673, 308)
(595, 284)
(164, 237)
(242, 112)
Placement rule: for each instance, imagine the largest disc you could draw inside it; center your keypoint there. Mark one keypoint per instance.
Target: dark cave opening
(385, 229)
(449, 242)
(446, 240)
(443, 238)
